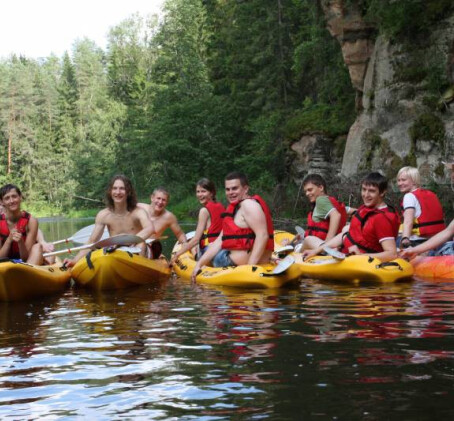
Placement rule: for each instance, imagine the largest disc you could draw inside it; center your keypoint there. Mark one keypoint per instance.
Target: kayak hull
(119, 269)
(354, 269)
(23, 281)
(436, 267)
(244, 276)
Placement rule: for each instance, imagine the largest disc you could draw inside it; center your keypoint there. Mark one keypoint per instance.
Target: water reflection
(182, 351)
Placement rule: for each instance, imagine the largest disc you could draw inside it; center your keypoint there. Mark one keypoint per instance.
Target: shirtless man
(122, 215)
(247, 229)
(160, 216)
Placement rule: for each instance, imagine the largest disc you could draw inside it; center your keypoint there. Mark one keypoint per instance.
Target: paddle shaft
(117, 240)
(104, 243)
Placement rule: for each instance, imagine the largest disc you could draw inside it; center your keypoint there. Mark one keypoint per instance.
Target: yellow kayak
(352, 268)
(101, 270)
(23, 281)
(244, 276)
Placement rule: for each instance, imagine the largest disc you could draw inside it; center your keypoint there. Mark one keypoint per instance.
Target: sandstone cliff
(403, 118)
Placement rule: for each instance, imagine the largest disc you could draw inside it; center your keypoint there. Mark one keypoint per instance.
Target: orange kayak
(437, 267)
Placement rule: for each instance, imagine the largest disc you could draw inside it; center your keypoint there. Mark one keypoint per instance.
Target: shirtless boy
(122, 215)
(160, 216)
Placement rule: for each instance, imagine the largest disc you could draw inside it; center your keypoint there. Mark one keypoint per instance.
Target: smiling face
(312, 191)
(11, 200)
(234, 191)
(159, 201)
(118, 191)
(203, 195)
(405, 183)
(371, 195)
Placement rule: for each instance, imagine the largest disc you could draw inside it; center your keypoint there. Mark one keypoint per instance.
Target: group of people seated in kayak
(243, 232)
(21, 238)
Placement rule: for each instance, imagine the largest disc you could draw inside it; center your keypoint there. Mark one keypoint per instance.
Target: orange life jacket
(356, 234)
(21, 226)
(320, 229)
(431, 220)
(216, 210)
(237, 238)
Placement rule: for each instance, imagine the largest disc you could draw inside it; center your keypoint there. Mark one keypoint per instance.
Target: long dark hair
(131, 200)
(207, 184)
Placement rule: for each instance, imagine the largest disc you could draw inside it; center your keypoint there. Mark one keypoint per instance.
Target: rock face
(313, 155)
(402, 119)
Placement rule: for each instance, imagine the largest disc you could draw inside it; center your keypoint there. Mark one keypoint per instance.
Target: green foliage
(332, 120)
(406, 18)
(428, 126)
(215, 86)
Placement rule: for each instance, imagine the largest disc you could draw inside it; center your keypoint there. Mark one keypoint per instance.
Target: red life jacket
(320, 229)
(431, 220)
(216, 211)
(356, 234)
(21, 226)
(236, 238)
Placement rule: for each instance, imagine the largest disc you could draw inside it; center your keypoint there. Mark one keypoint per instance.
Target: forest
(209, 87)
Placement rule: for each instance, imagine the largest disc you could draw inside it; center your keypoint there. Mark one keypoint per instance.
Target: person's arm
(24, 246)
(335, 242)
(389, 251)
(334, 221)
(148, 228)
(255, 218)
(176, 229)
(94, 237)
(202, 222)
(47, 247)
(437, 240)
(407, 226)
(212, 250)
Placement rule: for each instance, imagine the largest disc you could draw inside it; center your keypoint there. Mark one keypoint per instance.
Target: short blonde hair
(413, 173)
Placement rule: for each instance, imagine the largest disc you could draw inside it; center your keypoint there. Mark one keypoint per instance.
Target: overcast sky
(36, 28)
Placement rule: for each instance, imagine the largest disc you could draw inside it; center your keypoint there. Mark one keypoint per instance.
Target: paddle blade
(118, 240)
(190, 235)
(284, 250)
(82, 236)
(281, 267)
(334, 253)
(300, 231)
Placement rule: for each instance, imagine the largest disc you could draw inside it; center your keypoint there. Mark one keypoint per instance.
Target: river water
(315, 350)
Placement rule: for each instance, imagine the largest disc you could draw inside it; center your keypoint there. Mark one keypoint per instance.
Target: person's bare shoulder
(139, 212)
(102, 215)
(250, 205)
(169, 216)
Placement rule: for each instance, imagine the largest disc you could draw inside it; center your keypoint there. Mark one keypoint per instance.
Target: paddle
(284, 250)
(116, 240)
(300, 231)
(281, 267)
(334, 253)
(190, 235)
(82, 236)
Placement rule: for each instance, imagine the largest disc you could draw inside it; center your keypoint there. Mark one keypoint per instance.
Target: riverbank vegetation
(214, 86)
(208, 88)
